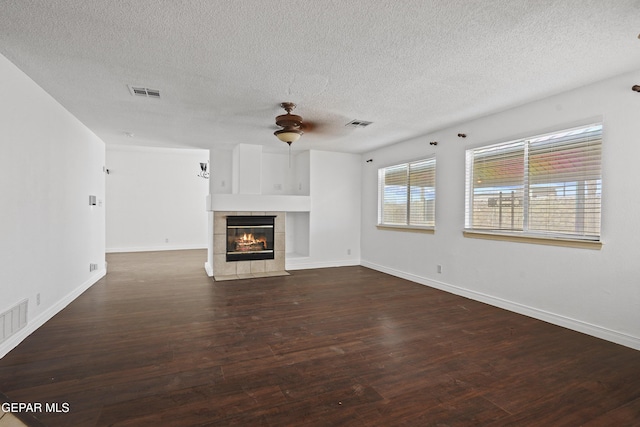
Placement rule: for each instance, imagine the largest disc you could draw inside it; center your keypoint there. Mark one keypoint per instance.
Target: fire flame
(249, 238)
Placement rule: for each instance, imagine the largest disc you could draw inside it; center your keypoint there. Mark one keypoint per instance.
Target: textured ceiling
(223, 67)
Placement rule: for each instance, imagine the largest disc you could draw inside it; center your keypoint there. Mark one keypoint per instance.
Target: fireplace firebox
(250, 238)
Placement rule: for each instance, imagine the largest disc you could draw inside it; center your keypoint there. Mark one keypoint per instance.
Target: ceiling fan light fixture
(288, 135)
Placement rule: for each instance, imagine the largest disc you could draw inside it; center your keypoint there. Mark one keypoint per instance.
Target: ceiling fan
(329, 125)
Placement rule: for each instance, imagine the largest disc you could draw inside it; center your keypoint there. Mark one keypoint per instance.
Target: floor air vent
(12, 320)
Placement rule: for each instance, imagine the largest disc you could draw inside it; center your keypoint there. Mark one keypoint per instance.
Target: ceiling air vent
(358, 124)
(144, 91)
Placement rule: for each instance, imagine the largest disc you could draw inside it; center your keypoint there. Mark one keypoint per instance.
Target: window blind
(565, 182)
(548, 184)
(497, 186)
(394, 206)
(407, 194)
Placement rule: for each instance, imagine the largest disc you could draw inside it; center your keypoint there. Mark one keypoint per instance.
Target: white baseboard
(155, 248)
(33, 324)
(305, 264)
(556, 319)
(208, 268)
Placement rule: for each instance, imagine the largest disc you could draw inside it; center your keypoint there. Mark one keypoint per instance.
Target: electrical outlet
(38, 298)
(348, 251)
(277, 186)
(166, 240)
(439, 268)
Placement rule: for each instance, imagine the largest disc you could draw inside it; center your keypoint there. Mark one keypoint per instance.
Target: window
(544, 186)
(407, 194)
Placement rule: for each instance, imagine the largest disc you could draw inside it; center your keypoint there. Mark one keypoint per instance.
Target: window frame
(526, 234)
(406, 226)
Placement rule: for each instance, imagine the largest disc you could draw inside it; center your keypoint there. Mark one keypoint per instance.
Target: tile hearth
(250, 276)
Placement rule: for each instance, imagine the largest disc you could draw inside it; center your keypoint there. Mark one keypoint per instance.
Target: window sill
(569, 243)
(408, 228)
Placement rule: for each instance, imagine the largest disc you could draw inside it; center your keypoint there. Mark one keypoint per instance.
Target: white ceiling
(224, 66)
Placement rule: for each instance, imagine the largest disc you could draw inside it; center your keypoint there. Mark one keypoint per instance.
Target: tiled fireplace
(250, 237)
(248, 244)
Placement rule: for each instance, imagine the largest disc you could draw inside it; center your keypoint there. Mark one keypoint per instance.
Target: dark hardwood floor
(157, 343)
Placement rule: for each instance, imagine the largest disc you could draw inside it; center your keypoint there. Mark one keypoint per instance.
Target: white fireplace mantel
(258, 202)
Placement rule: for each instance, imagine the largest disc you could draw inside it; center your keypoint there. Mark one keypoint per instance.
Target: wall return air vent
(144, 91)
(14, 319)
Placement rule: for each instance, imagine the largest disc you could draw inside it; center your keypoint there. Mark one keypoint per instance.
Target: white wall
(49, 165)
(155, 200)
(301, 184)
(220, 180)
(280, 175)
(247, 169)
(593, 291)
(278, 171)
(334, 219)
